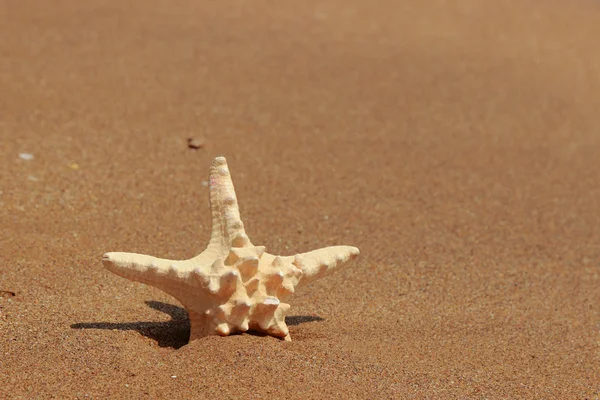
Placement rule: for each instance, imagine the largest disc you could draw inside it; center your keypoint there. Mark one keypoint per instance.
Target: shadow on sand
(173, 333)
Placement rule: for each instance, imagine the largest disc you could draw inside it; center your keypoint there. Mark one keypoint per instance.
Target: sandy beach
(455, 143)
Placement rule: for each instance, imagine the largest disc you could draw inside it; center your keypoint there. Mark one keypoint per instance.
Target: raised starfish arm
(319, 263)
(227, 226)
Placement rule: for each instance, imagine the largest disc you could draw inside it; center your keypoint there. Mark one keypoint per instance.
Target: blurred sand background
(456, 143)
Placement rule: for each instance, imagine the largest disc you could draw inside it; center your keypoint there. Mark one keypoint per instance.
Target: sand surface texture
(457, 144)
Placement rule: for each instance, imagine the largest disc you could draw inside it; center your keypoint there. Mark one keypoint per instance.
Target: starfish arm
(227, 226)
(170, 276)
(319, 263)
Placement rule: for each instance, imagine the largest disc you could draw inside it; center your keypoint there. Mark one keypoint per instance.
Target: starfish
(233, 286)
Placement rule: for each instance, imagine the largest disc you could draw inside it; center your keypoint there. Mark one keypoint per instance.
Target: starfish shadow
(173, 333)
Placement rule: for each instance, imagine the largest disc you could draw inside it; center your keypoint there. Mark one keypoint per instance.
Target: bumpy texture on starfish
(232, 286)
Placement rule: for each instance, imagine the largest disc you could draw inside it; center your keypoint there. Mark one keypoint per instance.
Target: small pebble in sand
(26, 156)
(204, 183)
(173, 376)
(195, 143)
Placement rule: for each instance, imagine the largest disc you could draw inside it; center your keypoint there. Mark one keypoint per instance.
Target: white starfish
(232, 286)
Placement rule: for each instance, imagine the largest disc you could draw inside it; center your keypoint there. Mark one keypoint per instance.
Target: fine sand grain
(457, 144)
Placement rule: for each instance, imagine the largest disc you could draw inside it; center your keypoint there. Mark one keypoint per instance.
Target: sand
(455, 143)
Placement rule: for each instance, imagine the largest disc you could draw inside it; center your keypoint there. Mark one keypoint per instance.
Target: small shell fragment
(195, 143)
(26, 156)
